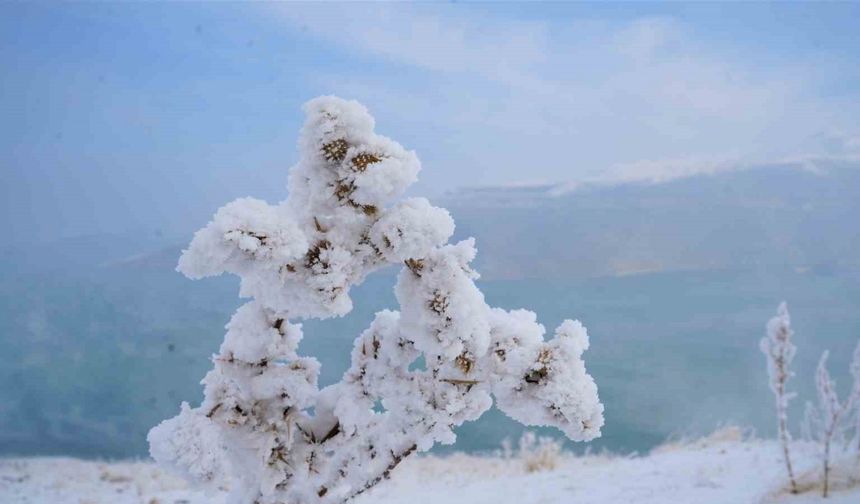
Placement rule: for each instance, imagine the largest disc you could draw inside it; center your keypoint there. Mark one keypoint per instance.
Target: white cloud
(405, 34)
(579, 100)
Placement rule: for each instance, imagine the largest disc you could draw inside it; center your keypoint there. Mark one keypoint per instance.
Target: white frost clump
(247, 233)
(546, 383)
(264, 425)
(190, 445)
(410, 228)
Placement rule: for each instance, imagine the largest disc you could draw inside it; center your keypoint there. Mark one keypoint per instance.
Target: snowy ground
(718, 469)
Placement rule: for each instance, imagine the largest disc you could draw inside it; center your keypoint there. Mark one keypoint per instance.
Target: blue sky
(118, 117)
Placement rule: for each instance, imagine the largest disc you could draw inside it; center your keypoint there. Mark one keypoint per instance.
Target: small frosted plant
(539, 453)
(779, 351)
(264, 427)
(825, 422)
(854, 398)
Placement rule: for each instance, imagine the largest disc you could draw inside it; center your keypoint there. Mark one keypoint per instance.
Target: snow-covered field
(719, 469)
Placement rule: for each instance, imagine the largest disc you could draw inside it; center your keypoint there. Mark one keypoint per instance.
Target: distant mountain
(801, 216)
(77, 254)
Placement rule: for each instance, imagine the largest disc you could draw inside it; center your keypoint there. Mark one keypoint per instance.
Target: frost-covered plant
(264, 426)
(539, 453)
(854, 398)
(779, 350)
(824, 422)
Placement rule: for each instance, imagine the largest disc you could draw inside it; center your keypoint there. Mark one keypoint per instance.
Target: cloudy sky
(117, 117)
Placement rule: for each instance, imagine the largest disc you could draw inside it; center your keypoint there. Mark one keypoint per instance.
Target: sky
(126, 117)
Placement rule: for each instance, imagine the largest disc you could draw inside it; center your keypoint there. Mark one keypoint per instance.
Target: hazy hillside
(805, 217)
(779, 215)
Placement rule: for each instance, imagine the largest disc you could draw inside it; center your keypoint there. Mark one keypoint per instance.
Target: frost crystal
(265, 428)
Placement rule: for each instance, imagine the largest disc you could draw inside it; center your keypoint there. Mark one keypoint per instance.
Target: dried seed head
(464, 362)
(335, 150)
(439, 303)
(363, 160)
(312, 257)
(545, 356)
(415, 265)
(537, 375)
(343, 190)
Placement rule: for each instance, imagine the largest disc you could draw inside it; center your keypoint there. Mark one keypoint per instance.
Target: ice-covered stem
(264, 427)
(779, 351)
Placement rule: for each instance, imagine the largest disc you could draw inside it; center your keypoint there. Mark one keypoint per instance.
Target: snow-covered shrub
(264, 426)
(825, 422)
(539, 453)
(779, 351)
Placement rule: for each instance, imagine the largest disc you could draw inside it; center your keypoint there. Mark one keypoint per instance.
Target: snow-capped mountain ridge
(527, 193)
